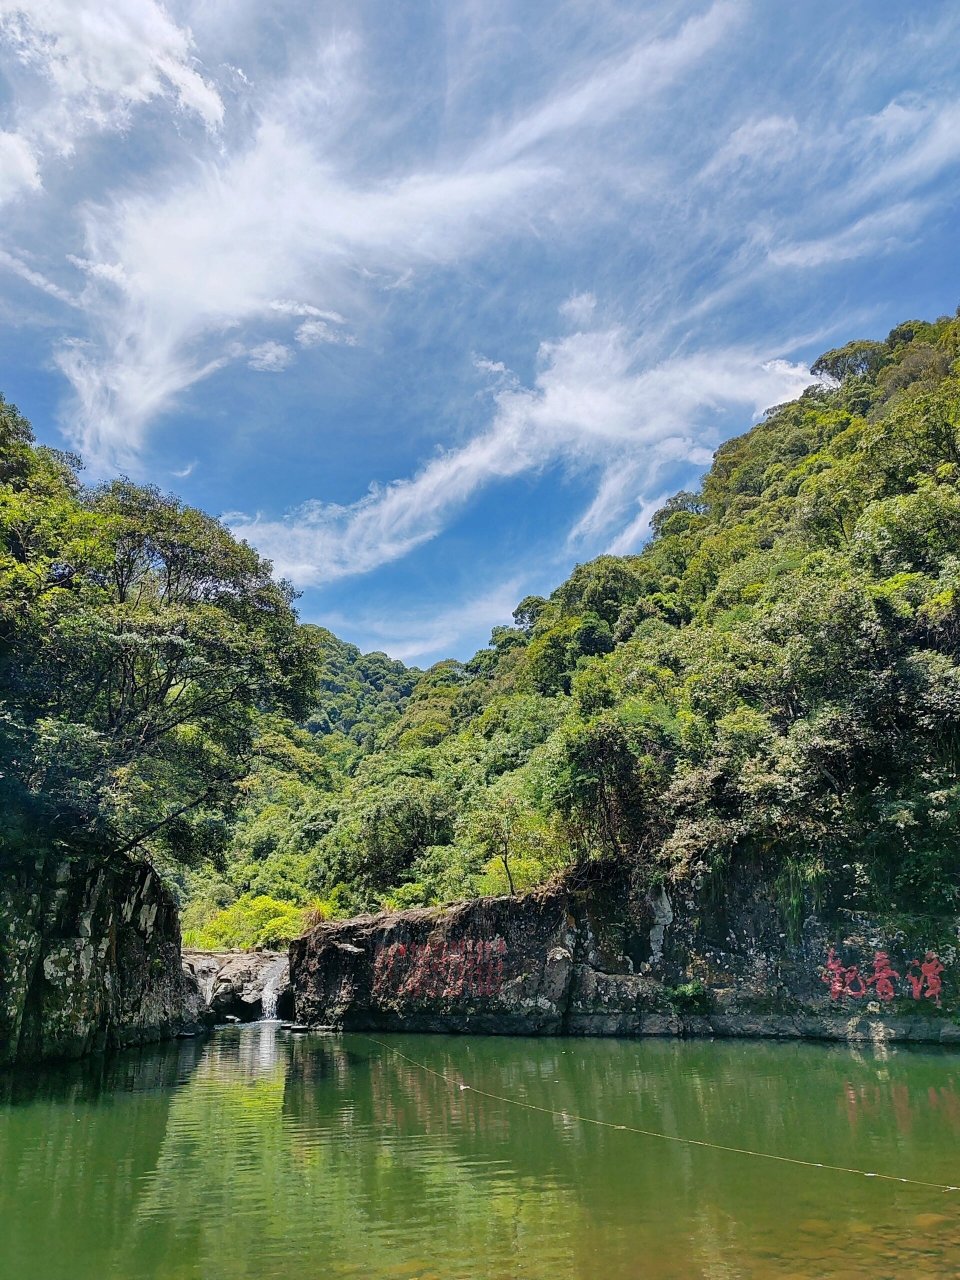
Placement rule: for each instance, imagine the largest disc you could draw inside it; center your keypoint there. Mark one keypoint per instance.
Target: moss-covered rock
(89, 959)
(602, 957)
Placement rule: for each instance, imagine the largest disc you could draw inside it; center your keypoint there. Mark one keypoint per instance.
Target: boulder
(485, 966)
(245, 985)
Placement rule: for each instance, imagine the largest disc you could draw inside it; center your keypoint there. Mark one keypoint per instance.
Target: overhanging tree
(139, 644)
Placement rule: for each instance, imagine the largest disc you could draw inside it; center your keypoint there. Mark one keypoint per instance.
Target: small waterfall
(275, 979)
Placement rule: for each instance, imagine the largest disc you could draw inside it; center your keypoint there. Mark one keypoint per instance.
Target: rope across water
(652, 1133)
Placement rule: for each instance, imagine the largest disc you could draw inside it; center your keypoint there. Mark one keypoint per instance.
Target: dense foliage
(140, 647)
(773, 681)
(359, 693)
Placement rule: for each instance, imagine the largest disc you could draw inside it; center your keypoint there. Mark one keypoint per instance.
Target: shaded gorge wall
(89, 960)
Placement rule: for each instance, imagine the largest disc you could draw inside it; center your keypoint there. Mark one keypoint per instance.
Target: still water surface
(257, 1154)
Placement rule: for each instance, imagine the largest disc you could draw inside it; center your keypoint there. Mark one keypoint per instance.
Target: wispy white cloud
(19, 166)
(10, 262)
(868, 237)
(269, 357)
(618, 84)
(313, 333)
(144, 382)
(199, 253)
(83, 67)
(635, 533)
(214, 253)
(579, 308)
(305, 310)
(913, 142)
(272, 229)
(762, 142)
(835, 189)
(593, 406)
(413, 636)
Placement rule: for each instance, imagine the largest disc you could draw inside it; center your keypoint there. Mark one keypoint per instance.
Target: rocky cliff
(245, 985)
(89, 959)
(602, 958)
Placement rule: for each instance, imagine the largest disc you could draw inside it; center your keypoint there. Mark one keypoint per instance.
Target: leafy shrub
(249, 922)
(691, 997)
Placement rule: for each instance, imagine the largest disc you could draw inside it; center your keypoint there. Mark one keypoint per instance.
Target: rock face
(496, 965)
(602, 959)
(241, 984)
(89, 960)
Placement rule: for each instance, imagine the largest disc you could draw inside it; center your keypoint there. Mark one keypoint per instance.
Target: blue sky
(431, 301)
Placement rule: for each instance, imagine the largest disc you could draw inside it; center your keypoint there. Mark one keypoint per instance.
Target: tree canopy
(140, 643)
(773, 681)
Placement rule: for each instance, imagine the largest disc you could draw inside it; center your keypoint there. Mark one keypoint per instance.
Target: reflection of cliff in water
(78, 1144)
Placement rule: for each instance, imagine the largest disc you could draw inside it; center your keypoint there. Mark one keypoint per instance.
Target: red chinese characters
(882, 973)
(472, 966)
(846, 980)
(843, 980)
(927, 982)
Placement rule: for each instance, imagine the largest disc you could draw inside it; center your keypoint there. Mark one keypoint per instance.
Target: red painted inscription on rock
(440, 970)
(922, 979)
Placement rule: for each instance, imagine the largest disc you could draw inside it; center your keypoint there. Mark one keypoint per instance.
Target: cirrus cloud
(593, 407)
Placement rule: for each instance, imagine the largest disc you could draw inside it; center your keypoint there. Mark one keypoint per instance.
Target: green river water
(260, 1154)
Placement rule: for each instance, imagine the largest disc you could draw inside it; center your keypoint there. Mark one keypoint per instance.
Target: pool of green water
(264, 1155)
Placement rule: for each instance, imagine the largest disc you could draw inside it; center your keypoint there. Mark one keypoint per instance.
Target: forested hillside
(773, 679)
(142, 653)
(256, 893)
(359, 693)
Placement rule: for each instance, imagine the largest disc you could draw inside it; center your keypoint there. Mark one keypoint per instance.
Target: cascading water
(275, 980)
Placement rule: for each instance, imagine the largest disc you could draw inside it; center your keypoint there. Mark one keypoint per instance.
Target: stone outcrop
(241, 984)
(89, 960)
(602, 958)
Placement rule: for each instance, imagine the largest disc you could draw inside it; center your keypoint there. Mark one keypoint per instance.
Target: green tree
(138, 643)
(856, 359)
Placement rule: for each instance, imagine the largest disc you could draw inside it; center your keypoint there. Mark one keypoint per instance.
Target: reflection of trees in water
(77, 1145)
(763, 1097)
(281, 1156)
(262, 1172)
